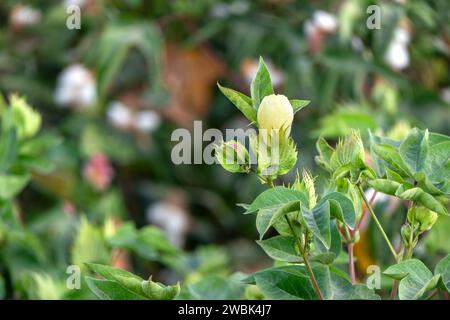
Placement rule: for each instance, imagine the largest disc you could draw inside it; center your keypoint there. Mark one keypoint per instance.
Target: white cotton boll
(239, 7)
(76, 87)
(172, 219)
(147, 121)
(397, 56)
(220, 10)
(25, 16)
(325, 21)
(401, 36)
(119, 115)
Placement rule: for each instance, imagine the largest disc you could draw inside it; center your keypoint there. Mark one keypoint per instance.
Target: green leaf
(439, 165)
(415, 278)
(318, 222)
(285, 283)
(158, 291)
(274, 197)
(414, 150)
(341, 207)
(12, 184)
(325, 153)
(110, 290)
(281, 248)
(321, 253)
(425, 199)
(385, 186)
(266, 218)
(443, 269)
(215, 287)
(8, 149)
(392, 158)
(298, 105)
(241, 101)
(261, 85)
(127, 280)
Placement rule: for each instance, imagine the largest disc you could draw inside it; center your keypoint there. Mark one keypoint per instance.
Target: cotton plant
(312, 227)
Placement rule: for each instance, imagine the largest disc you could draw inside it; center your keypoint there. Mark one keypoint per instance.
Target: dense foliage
(91, 203)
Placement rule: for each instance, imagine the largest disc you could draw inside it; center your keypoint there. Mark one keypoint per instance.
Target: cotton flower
(275, 113)
(98, 172)
(123, 117)
(76, 87)
(318, 27)
(147, 121)
(119, 115)
(78, 3)
(23, 16)
(397, 55)
(325, 21)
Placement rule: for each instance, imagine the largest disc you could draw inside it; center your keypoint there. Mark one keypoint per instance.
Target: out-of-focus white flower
(119, 115)
(22, 16)
(147, 121)
(445, 94)
(123, 117)
(238, 7)
(76, 87)
(357, 44)
(223, 10)
(325, 21)
(78, 3)
(397, 55)
(172, 218)
(249, 67)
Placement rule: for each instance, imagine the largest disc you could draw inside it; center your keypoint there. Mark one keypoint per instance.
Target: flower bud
(233, 156)
(423, 217)
(275, 113)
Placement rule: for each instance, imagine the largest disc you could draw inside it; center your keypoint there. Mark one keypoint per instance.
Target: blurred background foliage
(112, 92)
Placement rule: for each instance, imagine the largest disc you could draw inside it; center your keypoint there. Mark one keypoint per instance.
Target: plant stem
(351, 263)
(306, 261)
(432, 294)
(377, 222)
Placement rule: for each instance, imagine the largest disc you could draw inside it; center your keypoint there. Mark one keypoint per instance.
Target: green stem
(377, 222)
(306, 261)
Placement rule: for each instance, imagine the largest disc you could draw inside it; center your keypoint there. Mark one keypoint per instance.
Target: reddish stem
(351, 263)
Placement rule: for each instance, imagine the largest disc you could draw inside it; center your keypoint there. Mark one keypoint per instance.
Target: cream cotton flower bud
(275, 113)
